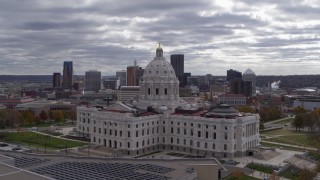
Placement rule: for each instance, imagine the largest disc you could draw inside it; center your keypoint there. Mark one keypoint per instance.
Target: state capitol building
(159, 120)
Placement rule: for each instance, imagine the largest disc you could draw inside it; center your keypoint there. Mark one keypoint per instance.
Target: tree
(306, 174)
(298, 121)
(299, 110)
(73, 115)
(37, 119)
(43, 115)
(14, 118)
(28, 117)
(311, 120)
(57, 116)
(3, 117)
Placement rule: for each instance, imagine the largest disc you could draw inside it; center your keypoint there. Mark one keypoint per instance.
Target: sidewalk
(283, 144)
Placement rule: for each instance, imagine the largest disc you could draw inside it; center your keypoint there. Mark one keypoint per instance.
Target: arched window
(149, 91)
(128, 144)
(225, 147)
(165, 91)
(213, 146)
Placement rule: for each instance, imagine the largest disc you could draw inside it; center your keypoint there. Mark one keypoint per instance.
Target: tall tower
(249, 75)
(177, 62)
(56, 78)
(122, 76)
(67, 74)
(93, 80)
(233, 74)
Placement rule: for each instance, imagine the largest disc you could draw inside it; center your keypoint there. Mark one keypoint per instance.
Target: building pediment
(119, 106)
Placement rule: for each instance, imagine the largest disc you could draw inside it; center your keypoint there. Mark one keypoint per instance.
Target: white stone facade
(191, 134)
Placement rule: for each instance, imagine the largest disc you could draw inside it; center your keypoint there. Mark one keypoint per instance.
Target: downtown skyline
(270, 37)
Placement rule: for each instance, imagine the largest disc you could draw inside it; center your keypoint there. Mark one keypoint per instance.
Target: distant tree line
(13, 118)
(291, 81)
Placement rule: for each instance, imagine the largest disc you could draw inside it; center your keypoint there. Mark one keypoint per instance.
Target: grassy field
(38, 140)
(242, 177)
(289, 137)
(285, 121)
(260, 168)
(299, 140)
(278, 132)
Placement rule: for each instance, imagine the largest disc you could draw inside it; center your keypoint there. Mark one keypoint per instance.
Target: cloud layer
(270, 36)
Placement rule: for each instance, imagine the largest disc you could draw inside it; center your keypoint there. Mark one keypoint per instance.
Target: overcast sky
(272, 37)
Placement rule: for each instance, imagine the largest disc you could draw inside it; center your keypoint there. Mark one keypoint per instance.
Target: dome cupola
(159, 51)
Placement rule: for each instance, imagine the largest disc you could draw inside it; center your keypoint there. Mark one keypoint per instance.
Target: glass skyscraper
(67, 74)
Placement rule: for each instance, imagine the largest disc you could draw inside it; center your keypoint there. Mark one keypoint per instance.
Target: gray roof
(248, 71)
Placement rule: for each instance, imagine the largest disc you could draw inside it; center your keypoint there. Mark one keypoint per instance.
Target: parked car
(3, 145)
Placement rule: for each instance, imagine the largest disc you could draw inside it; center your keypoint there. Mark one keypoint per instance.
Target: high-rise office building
(131, 75)
(139, 74)
(67, 74)
(93, 80)
(249, 75)
(134, 74)
(177, 62)
(56, 80)
(233, 74)
(238, 86)
(122, 77)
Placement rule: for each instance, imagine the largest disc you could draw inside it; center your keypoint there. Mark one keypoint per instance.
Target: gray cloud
(37, 36)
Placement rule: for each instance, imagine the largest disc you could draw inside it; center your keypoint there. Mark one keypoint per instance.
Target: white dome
(159, 83)
(159, 68)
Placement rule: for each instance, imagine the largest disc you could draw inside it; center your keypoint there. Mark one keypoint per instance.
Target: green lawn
(285, 121)
(289, 137)
(300, 140)
(38, 140)
(242, 177)
(273, 133)
(260, 168)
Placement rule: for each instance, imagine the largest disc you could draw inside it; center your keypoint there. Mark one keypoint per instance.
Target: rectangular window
(165, 91)
(128, 133)
(157, 91)
(199, 133)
